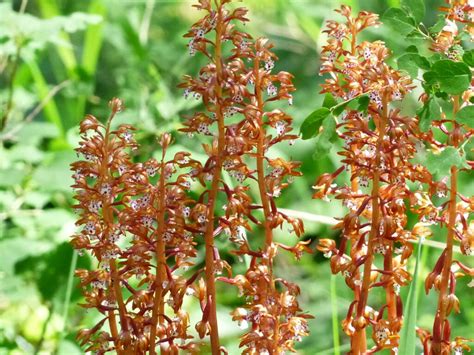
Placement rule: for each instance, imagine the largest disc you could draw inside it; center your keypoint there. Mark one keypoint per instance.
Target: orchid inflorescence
(379, 141)
(235, 87)
(143, 223)
(136, 224)
(142, 226)
(385, 153)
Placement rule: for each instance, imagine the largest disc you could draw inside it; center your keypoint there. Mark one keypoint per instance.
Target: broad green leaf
(468, 58)
(359, 103)
(440, 164)
(429, 112)
(466, 116)
(416, 35)
(411, 49)
(415, 7)
(54, 175)
(412, 62)
(408, 332)
(438, 26)
(452, 77)
(399, 19)
(326, 137)
(312, 123)
(12, 177)
(329, 101)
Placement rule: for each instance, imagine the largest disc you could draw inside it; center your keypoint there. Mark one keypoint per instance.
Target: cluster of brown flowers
(459, 18)
(379, 142)
(138, 223)
(142, 227)
(454, 213)
(234, 94)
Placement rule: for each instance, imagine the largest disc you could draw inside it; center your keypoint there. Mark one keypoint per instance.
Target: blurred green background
(60, 59)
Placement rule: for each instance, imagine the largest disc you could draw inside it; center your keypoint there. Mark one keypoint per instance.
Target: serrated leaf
(411, 49)
(313, 122)
(452, 77)
(326, 137)
(466, 116)
(440, 164)
(438, 26)
(329, 101)
(415, 7)
(399, 19)
(468, 58)
(429, 112)
(359, 103)
(415, 35)
(408, 332)
(412, 62)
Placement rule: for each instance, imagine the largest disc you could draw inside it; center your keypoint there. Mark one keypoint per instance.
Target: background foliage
(60, 59)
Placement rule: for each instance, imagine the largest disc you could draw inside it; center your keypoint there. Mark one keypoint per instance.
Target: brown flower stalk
(129, 220)
(454, 214)
(378, 145)
(233, 94)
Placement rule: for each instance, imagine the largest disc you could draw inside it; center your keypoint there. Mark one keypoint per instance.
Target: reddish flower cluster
(378, 146)
(138, 223)
(454, 213)
(235, 94)
(458, 13)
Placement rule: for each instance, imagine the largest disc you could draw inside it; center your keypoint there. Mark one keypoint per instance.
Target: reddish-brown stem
(209, 233)
(158, 306)
(389, 287)
(107, 212)
(359, 345)
(448, 256)
(113, 330)
(263, 189)
(118, 294)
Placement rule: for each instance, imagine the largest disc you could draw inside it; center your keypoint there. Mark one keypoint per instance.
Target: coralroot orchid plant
(379, 142)
(136, 223)
(235, 95)
(396, 162)
(451, 128)
(142, 227)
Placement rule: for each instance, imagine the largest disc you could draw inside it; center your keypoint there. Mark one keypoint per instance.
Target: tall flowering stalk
(235, 96)
(379, 142)
(274, 315)
(135, 223)
(451, 129)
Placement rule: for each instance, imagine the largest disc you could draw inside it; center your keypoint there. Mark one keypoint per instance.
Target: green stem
(335, 321)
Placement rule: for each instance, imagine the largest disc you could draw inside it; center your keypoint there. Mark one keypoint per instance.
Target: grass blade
(335, 321)
(408, 332)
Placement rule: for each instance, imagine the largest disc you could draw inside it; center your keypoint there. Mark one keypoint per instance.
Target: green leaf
(412, 62)
(312, 123)
(415, 8)
(416, 35)
(399, 19)
(466, 116)
(452, 77)
(408, 332)
(359, 103)
(438, 26)
(329, 101)
(411, 49)
(326, 137)
(429, 112)
(440, 164)
(468, 58)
